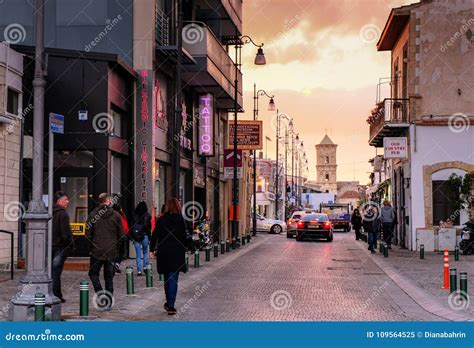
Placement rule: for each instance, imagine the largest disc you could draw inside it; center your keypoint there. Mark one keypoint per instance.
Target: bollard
(453, 275)
(208, 253)
(161, 277)
(446, 269)
(149, 276)
(456, 253)
(216, 250)
(385, 250)
(196, 259)
(40, 303)
(463, 285)
(237, 243)
(84, 298)
(227, 246)
(222, 247)
(187, 263)
(248, 238)
(234, 243)
(380, 248)
(243, 241)
(422, 251)
(129, 279)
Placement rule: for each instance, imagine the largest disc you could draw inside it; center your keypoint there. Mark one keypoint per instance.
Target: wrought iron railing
(162, 26)
(390, 111)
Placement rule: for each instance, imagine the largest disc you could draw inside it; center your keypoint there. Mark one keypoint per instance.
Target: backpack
(138, 232)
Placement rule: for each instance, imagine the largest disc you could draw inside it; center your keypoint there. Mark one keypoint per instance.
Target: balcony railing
(162, 25)
(389, 118)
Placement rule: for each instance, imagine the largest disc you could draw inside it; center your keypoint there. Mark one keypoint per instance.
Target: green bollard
(40, 303)
(381, 248)
(187, 263)
(149, 276)
(234, 243)
(243, 240)
(463, 285)
(237, 243)
(216, 250)
(248, 238)
(227, 246)
(385, 250)
(161, 277)
(223, 245)
(456, 253)
(453, 281)
(422, 251)
(84, 298)
(196, 259)
(208, 253)
(129, 279)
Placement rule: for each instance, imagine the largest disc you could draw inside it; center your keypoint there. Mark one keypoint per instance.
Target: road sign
(249, 135)
(56, 123)
(229, 158)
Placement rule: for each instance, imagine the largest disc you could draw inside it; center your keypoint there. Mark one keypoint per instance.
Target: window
(116, 174)
(12, 101)
(327, 159)
(117, 125)
(444, 203)
(327, 177)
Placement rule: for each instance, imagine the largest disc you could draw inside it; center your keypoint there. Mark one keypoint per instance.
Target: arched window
(327, 177)
(327, 159)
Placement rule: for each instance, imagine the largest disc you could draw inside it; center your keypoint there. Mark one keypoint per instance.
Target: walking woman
(140, 234)
(376, 225)
(356, 222)
(169, 242)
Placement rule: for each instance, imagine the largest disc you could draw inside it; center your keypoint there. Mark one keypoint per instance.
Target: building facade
(430, 110)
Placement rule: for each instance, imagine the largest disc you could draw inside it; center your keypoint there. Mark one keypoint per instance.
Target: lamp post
(277, 171)
(36, 279)
(238, 41)
(271, 107)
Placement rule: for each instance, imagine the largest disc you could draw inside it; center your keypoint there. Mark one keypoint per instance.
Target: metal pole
(254, 216)
(235, 184)
(50, 198)
(36, 279)
(292, 164)
(286, 169)
(276, 165)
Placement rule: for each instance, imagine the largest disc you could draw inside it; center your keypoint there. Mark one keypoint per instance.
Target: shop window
(116, 174)
(13, 98)
(444, 203)
(117, 126)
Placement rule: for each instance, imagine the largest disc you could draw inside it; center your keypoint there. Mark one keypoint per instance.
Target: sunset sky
(323, 67)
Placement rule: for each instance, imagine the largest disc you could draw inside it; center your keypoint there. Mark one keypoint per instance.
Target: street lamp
(271, 107)
(238, 41)
(277, 172)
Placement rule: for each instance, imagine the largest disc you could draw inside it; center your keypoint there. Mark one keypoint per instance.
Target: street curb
(420, 296)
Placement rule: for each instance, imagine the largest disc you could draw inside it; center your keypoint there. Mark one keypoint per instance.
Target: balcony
(390, 118)
(228, 11)
(214, 70)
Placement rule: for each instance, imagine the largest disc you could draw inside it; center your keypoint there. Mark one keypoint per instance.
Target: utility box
(425, 237)
(446, 239)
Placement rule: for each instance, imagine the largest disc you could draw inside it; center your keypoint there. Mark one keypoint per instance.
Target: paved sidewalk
(422, 280)
(126, 307)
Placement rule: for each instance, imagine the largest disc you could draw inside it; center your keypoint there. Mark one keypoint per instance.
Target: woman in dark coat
(169, 243)
(356, 222)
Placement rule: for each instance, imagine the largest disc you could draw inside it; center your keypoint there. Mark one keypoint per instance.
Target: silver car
(270, 225)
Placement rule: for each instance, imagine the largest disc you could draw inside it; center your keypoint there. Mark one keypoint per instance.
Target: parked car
(314, 226)
(293, 221)
(270, 225)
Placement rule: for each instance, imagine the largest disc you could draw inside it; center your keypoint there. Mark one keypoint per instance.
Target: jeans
(372, 240)
(109, 272)
(171, 288)
(387, 232)
(141, 248)
(57, 266)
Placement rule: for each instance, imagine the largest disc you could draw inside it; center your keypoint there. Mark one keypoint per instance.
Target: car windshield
(296, 216)
(315, 217)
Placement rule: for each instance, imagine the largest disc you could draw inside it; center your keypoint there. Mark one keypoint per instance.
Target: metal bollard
(84, 298)
(463, 284)
(40, 303)
(243, 240)
(227, 246)
(456, 253)
(422, 251)
(453, 281)
(222, 247)
(187, 263)
(237, 242)
(234, 243)
(161, 277)
(385, 250)
(129, 278)
(381, 248)
(196, 259)
(208, 253)
(149, 276)
(248, 238)
(216, 250)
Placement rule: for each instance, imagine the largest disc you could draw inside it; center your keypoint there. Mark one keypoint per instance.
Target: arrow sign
(229, 158)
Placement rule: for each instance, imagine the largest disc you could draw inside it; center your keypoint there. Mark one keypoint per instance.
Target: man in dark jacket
(104, 229)
(62, 240)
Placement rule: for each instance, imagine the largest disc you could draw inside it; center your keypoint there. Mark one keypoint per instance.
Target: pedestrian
(140, 234)
(62, 241)
(104, 230)
(169, 242)
(356, 221)
(387, 217)
(123, 238)
(374, 230)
